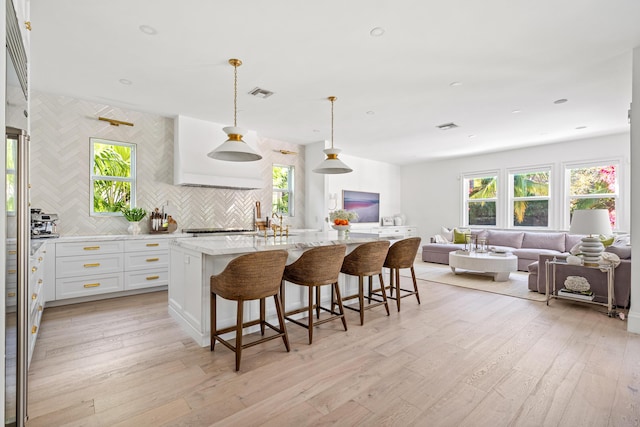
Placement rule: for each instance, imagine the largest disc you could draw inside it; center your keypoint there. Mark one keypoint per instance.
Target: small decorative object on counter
(134, 216)
(161, 222)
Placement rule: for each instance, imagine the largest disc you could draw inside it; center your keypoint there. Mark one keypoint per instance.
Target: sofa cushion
(570, 240)
(505, 238)
(622, 250)
(553, 241)
(532, 254)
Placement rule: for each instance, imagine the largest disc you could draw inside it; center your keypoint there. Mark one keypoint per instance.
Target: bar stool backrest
(317, 266)
(252, 276)
(402, 253)
(366, 259)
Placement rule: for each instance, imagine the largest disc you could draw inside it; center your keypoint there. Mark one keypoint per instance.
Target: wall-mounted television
(367, 205)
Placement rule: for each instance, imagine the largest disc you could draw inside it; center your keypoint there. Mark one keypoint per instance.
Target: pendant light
(234, 149)
(332, 165)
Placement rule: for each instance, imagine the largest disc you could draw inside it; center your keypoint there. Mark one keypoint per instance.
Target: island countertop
(233, 245)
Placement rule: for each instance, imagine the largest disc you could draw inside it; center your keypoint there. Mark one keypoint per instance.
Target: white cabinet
(401, 231)
(146, 264)
(89, 268)
(36, 293)
(95, 268)
(12, 278)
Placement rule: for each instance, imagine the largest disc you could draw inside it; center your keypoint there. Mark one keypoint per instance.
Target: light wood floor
(462, 358)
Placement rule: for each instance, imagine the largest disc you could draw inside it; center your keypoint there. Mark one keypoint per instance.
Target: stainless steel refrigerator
(16, 225)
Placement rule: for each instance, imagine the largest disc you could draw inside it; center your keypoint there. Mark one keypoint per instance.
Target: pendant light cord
(235, 95)
(332, 99)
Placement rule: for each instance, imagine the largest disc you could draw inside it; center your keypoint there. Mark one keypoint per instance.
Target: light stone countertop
(96, 237)
(230, 245)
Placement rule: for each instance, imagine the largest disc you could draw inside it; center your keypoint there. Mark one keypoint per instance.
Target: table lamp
(592, 223)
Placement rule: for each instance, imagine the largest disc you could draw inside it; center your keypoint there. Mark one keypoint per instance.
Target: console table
(551, 291)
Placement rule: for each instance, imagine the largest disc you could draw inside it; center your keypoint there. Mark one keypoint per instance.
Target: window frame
(567, 167)
(132, 179)
(290, 190)
(465, 197)
(512, 199)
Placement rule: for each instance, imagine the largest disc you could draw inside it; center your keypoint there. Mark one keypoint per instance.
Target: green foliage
(282, 188)
(134, 214)
(111, 161)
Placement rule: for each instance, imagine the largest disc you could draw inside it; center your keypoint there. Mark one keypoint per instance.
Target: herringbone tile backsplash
(61, 128)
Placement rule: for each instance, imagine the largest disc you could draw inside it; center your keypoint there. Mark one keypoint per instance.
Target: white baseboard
(633, 322)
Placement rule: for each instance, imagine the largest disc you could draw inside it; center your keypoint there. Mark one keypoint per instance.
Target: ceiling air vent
(261, 93)
(447, 126)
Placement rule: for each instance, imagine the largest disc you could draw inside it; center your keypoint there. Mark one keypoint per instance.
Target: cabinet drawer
(137, 261)
(89, 248)
(146, 279)
(85, 265)
(138, 245)
(91, 285)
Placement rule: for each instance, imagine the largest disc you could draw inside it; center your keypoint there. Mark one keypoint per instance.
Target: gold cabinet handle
(39, 259)
(34, 296)
(11, 294)
(34, 269)
(153, 277)
(12, 271)
(34, 329)
(95, 264)
(13, 252)
(153, 259)
(39, 308)
(91, 248)
(39, 281)
(153, 244)
(91, 285)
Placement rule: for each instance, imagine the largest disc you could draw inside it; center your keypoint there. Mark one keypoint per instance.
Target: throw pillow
(459, 235)
(447, 233)
(607, 241)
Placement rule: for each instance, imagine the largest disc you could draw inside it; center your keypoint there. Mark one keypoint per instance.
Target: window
(593, 186)
(113, 182)
(11, 175)
(480, 199)
(530, 198)
(283, 201)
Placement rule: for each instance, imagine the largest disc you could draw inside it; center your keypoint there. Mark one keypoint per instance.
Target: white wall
(431, 191)
(634, 312)
(367, 175)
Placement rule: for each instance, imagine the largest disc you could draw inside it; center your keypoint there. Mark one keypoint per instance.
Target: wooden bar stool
(315, 268)
(366, 260)
(249, 277)
(402, 254)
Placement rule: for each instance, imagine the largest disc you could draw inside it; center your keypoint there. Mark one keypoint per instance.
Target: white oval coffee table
(497, 266)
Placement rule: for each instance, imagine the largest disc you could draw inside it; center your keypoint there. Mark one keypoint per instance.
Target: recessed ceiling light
(455, 84)
(377, 32)
(581, 127)
(447, 126)
(148, 30)
(126, 82)
(472, 136)
(516, 111)
(371, 113)
(560, 101)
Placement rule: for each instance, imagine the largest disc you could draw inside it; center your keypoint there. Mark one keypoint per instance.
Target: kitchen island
(192, 262)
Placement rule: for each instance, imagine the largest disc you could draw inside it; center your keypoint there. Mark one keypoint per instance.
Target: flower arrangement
(134, 214)
(342, 217)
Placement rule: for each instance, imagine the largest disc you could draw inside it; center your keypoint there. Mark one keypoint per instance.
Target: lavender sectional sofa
(526, 245)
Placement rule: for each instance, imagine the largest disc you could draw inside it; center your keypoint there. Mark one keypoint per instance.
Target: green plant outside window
(283, 200)
(481, 200)
(531, 199)
(594, 187)
(112, 176)
(11, 176)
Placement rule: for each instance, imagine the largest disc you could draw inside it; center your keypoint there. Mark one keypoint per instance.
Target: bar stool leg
(415, 284)
(339, 299)
(239, 333)
(391, 282)
(310, 324)
(384, 294)
(361, 298)
(283, 328)
(396, 272)
(262, 316)
(213, 321)
(317, 302)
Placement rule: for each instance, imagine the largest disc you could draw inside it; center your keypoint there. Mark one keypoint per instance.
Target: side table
(551, 291)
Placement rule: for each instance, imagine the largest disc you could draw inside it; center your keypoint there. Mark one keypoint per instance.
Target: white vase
(134, 227)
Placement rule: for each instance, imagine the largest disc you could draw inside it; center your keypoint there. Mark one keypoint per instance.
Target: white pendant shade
(234, 149)
(332, 165)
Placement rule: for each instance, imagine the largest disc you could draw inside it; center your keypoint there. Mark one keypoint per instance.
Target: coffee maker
(43, 225)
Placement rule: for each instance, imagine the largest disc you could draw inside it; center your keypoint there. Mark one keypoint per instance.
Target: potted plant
(134, 216)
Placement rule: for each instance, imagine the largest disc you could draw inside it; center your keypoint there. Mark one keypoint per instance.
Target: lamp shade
(234, 149)
(332, 165)
(591, 222)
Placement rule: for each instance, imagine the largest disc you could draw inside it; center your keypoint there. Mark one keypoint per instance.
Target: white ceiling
(392, 90)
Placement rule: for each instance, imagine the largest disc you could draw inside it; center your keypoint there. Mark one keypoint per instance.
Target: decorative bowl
(341, 227)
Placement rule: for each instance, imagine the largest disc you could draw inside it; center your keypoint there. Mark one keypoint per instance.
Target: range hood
(193, 139)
